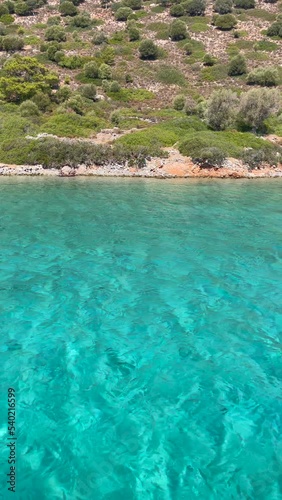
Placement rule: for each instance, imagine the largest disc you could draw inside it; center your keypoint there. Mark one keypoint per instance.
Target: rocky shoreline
(174, 166)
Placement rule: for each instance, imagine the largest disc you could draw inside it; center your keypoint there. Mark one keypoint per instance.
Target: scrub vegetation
(203, 76)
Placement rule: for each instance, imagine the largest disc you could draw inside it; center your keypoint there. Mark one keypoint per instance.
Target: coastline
(173, 167)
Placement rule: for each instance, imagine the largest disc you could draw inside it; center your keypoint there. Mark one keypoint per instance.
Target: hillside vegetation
(202, 76)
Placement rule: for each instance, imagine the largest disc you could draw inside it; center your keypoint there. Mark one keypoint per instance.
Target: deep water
(141, 330)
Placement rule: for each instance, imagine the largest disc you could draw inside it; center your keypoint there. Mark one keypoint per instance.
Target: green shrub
(53, 21)
(225, 22)
(99, 38)
(67, 9)
(76, 103)
(195, 7)
(10, 6)
(133, 4)
(108, 55)
(275, 29)
(257, 158)
(90, 70)
(71, 62)
(179, 102)
(62, 95)
(133, 34)
(209, 60)
(3, 29)
(123, 13)
(114, 86)
(188, 48)
(178, 31)
(177, 10)
(268, 77)
(56, 33)
(89, 91)
(52, 49)
(170, 75)
(12, 43)
(28, 109)
(244, 4)
(237, 66)
(42, 101)
(116, 117)
(148, 50)
(257, 105)
(105, 72)
(3, 10)
(82, 20)
(221, 109)
(223, 6)
(209, 157)
(22, 9)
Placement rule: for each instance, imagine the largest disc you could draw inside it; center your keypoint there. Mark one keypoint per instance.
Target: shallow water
(141, 329)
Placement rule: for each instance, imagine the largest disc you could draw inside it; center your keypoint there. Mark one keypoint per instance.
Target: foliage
(91, 69)
(225, 22)
(56, 33)
(221, 109)
(23, 77)
(179, 102)
(11, 43)
(177, 10)
(275, 29)
(223, 6)
(148, 50)
(209, 157)
(99, 38)
(82, 20)
(244, 4)
(170, 75)
(133, 4)
(178, 30)
(28, 109)
(67, 9)
(123, 13)
(105, 72)
(237, 66)
(256, 158)
(257, 105)
(89, 91)
(133, 34)
(209, 60)
(268, 77)
(114, 86)
(195, 7)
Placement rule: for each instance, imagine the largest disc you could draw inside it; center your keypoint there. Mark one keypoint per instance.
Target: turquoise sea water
(141, 330)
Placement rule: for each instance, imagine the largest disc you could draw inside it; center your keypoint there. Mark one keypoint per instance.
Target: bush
(12, 43)
(53, 21)
(76, 103)
(237, 66)
(195, 7)
(42, 101)
(255, 158)
(28, 109)
(116, 117)
(133, 34)
(210, 157)
(62, 95)
(177, 10)
(90, 70)
(225, 22)
(105, 72)
(148, 50)
(268, 77)
(178, 31)
(223, 6)
(22, 9)
(56, 33)
(123, 13)
(99, 38)
(221, 109)
(114, 86)
(89, 91)
(82, 20)
(52, 49)
(3, 10)
(244, 4)
(133, 4)
(275, 29)
(3, 29)
(188, 48)
(68, 9)
(209, 60)
(179, 102)
(257, 105)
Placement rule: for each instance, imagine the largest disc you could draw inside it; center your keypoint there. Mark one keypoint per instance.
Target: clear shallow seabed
(141, 329)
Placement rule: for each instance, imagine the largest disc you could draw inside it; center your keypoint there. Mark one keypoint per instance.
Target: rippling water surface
(141, 329)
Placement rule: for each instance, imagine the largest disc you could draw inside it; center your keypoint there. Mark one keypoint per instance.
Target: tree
(257, 105)
(225, 22)
(178, 30)
(223, 6)
(148, 50)
(221, 109)
(237, 66)
(68, 9)
(23, 77)
(268, 77)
